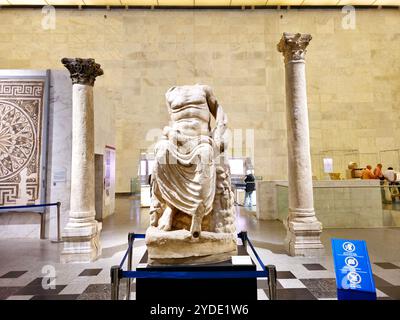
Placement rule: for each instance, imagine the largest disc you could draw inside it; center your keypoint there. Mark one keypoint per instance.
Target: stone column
(303, 228)
(81, 234)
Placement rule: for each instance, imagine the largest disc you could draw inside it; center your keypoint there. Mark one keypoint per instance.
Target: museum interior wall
(352, 75)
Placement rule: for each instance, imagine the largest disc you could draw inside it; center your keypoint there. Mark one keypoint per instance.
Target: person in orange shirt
(378, 172)
(367, 173)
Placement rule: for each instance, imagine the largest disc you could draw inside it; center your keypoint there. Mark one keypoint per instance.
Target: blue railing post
(115, 274)
(58, 224)
(272, 281)
(58, 221)
(131, 239)
(43, 225)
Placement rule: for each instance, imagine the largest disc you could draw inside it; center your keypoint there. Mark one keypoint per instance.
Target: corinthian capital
(83, 71)
(293, 46)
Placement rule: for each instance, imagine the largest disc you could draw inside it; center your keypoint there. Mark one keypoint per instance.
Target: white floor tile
(261, 295)
(19, 297)
(380, 294)
(291, 283)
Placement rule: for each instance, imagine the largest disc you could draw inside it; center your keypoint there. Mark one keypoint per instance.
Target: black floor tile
(5, 292)
(386, 265)
(321, 288)
(13, 274)
(55, 297)
(39, 290)
(95, 296)
(285, 275)
(313, 266)
(103, 291)
(263, 284)
(98, 292)
(93, 288)
(293, 294)
(393, 292)
(380, 283)
(90, 272)
(35, 282)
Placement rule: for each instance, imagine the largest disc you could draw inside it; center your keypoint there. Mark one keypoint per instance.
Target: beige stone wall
(353, 75)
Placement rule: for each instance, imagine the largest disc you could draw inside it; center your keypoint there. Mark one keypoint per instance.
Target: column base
(81, 242)
(303, 238)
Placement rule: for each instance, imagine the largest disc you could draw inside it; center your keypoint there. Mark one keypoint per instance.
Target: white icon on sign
(351, 262)
(354, 277)
(349, 247)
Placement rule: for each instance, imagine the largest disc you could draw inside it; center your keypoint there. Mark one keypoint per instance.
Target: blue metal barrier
(30, 206)
(42, 216)
(117, 273)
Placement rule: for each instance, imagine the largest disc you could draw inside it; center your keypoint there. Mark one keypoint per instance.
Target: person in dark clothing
(250, 181)
(149, 182)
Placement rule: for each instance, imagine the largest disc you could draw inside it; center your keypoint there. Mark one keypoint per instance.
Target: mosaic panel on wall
(21, 113)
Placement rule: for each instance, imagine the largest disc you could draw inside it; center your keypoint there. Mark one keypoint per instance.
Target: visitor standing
(250, 181)
(390, 175)
(149, 182)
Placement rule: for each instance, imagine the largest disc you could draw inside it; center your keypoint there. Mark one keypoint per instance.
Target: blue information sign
(354, 279)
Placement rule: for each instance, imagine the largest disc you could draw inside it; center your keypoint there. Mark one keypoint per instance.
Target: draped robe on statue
(185, 166)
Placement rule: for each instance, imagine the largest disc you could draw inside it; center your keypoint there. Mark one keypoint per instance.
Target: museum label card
(241, 260)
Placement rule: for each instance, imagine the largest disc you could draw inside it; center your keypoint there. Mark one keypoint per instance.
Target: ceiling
(200, 3)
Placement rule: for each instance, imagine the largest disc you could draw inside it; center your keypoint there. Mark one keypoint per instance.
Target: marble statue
(192, 217)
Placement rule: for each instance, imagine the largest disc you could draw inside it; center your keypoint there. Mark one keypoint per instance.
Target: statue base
(179, 247)
(195, 290)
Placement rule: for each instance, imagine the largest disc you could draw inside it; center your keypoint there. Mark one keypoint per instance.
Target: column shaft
(299, 166)
(82, 172)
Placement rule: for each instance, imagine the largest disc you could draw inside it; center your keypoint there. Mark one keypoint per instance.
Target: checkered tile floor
(24, 262)
(289, 286)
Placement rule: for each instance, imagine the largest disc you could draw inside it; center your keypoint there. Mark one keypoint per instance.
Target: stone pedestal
(81, 234)
(303, 228)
